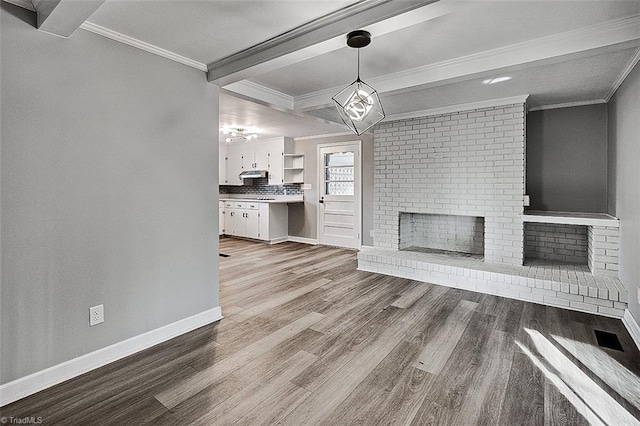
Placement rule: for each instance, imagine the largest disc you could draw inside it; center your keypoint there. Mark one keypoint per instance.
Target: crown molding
(130, 41)
(568, 105)
(522, 99)
(623, 75)
(552, 46)
(258, 91)
(25, 4)
(327, 135)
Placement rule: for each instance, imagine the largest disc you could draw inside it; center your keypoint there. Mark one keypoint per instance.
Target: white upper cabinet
(222, 165)
(266, 154)
(235, 155)
(259, 153)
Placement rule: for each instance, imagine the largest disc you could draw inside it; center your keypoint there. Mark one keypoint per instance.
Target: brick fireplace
(442, 233)
(466, 164)
(453, 183)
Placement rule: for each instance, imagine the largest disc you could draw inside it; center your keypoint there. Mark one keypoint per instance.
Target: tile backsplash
(261, 186)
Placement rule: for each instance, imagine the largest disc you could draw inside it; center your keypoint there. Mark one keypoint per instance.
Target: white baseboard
(51, 376)
(303, 240)
(632, 327)
(278, 240)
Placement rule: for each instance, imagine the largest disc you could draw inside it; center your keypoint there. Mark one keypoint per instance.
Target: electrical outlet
(96, 315)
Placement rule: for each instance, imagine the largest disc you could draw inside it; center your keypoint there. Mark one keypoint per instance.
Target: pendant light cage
(359, 104)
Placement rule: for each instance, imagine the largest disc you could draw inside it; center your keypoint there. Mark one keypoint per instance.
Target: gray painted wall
(303, 218)
(624, 182)
(108, 193)
(567, 159)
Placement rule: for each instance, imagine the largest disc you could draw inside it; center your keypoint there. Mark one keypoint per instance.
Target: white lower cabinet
(251, 216)
(260, 221)
(220, 217)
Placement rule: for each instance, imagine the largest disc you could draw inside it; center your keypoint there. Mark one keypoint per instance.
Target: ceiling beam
(25, 4)
(336, 24)
(63, 17)
(555, 48)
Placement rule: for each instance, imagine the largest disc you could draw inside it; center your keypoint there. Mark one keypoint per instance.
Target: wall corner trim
(623, 75)
(51, 376)
(632, 327)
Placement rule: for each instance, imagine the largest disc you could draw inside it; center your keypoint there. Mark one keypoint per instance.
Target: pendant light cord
(358, 49)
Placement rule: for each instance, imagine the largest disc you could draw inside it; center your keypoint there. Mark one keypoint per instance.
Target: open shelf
(293, 168)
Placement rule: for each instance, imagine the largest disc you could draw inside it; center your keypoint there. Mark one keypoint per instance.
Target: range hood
(253, 174)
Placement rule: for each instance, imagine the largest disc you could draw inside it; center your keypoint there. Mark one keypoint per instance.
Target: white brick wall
(469, 163)
(603, 250)
(565, 243)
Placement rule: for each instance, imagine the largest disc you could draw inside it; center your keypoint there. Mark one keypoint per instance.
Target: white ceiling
(207, 31)
(280, 61)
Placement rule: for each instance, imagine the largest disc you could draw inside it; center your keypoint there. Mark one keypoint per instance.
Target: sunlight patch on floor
(614, 374)
(589, 399)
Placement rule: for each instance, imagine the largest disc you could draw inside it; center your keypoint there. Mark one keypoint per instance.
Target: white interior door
(340, 194)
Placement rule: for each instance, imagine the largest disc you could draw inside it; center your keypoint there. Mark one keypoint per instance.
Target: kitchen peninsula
(260, 217)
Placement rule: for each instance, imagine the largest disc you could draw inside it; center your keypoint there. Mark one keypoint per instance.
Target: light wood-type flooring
(307, 339)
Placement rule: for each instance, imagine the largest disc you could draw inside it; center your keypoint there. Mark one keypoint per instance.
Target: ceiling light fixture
(358, 104)
(239, 133)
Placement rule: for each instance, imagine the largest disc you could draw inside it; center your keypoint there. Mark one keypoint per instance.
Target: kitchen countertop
(263, 198)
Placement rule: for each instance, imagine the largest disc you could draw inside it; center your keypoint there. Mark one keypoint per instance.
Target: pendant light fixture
(358, 104)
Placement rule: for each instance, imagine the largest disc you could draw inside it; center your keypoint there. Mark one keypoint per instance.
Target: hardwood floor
(307, 339)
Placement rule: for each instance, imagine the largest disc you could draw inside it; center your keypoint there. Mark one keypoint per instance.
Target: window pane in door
(338, 159)
(338, 173)
(339, 188)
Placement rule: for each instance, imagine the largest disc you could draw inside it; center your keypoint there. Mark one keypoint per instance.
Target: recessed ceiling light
(495, 80)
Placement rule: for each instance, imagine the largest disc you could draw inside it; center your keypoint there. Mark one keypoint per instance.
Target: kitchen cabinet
(233, 223)
(220, 217)
(264, 154)
(243, 219)
(275, 167)
(222, 165)
(256, 220)
(251, 217)
(256, 156)
(235, 153)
